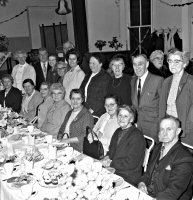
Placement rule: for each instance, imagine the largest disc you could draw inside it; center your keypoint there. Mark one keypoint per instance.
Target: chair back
(188, 146)
(96, 118)
(147, 151)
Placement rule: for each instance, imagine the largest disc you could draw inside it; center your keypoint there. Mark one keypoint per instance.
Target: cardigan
(55, 117)
(96, 92)
(184, 104)
(128, 155)
(43, 109)
(32, 106)
(77, 127)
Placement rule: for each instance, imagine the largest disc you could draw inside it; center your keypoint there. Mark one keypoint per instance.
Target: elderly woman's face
(158, 61)
(94, 64)
(124, 118)
(7, 83)
(29, 88)
(57, 95)
(21, 59)
(117, 67)
(61, 69)
(176, 64)
(44, 90)
(72, 60)
(111, 106)
(76, 101)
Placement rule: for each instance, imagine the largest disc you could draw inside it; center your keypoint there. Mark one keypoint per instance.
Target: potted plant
(100, 44)
(114, 43)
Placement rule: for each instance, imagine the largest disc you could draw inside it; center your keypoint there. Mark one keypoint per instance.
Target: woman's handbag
(94, 149)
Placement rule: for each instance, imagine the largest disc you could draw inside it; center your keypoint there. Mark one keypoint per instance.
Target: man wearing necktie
(42, 67)
(145, 95)
(170, 169)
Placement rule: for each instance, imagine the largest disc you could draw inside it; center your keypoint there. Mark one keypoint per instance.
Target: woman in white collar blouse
(22, 70)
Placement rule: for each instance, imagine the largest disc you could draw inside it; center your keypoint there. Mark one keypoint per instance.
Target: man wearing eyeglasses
(146, 90)
(177, 94)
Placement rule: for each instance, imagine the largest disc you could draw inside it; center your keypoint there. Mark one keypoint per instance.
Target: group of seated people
(62, 100)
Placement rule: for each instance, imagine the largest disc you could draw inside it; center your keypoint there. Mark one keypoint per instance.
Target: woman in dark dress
(127, 147)
(10, 97)
(95, 86)
(120, 83)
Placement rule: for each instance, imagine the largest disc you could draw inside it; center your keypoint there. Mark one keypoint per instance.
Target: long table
(123, 192)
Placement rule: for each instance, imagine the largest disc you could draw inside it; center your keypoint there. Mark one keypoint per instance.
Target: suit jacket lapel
(182, 83)
(134, 91)
(167, 159)
(145, 85)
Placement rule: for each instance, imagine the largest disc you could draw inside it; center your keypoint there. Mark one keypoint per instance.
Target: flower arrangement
(8, 120)
(114, 43)
(100, 44)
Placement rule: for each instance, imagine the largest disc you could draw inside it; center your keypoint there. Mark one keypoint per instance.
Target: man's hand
(142, 187)
(90, 138)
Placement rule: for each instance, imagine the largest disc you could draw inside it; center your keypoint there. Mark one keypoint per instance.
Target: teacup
(69, 151)
(26, 190)
(49, 138)
(8, 168)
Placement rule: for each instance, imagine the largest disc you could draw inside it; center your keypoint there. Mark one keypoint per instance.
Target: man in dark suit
(170, 170)
(145, 91)
(10, 97)
(42, 68)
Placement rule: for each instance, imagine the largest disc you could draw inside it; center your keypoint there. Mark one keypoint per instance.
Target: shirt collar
(42, 64)
(22, 66)
(144, 76)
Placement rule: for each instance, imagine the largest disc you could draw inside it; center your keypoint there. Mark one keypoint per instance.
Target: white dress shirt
(143, 78)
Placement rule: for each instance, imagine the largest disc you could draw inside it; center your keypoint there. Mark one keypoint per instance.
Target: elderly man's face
(140, 65)
(169, 131)
(43, 55)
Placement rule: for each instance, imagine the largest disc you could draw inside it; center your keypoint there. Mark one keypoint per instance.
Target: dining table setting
(36, 166)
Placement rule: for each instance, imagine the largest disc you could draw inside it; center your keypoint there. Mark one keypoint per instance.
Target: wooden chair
(147, 151)
(96, 118)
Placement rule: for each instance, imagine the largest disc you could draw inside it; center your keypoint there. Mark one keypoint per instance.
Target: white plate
(13, 186)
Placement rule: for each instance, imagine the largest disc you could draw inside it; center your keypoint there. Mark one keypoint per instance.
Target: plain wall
(23, 29)
(103, 21)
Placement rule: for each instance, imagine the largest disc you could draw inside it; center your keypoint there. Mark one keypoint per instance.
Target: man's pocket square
(168, 167)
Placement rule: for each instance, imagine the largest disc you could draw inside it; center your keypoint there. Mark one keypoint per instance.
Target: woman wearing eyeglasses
(177, 95)
(127, 147)
(107, 123)
(156, 65)
(57, 112)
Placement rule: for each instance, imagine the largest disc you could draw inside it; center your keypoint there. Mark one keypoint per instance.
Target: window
(140, 25)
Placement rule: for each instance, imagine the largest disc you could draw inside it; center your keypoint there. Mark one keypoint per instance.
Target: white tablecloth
(7, 193)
